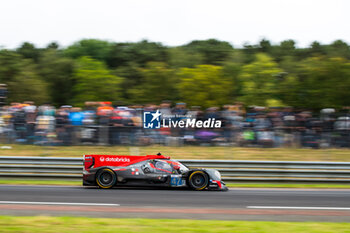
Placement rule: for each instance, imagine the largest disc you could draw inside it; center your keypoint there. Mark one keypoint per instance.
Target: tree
(96, 49)
(28, 50)
(132, 77)
(288, 91)
(10, 65)
(339, 49)
(140, 53)
(94, 82)
(213, 51)
(260, 80)
(53, 45)
(249, 52)
(265, 46)
(24, 83)
(285, 48)
(324, 82)
(231, 72)
(317, 49)
(180, 57)
(158, 83)
(204, 85)
(58, 71)
(128, 59)
(27, 85)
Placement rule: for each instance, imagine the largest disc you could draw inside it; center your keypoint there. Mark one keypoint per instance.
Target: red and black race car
(107, 171)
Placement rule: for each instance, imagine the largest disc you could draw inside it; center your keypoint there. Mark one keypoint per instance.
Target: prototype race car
(107, 171)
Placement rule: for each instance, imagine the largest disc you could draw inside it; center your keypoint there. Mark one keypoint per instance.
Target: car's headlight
(217, 174)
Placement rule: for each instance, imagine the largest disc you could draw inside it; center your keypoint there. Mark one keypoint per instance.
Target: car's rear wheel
(198, 180)
(106, 178)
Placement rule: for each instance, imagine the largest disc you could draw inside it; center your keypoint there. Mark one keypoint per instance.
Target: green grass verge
(39, 182)
(84, 224)
(231, 185)
(185, 152)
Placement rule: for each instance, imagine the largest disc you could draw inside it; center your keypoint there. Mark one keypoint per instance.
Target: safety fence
(49, 133)
(232, 170)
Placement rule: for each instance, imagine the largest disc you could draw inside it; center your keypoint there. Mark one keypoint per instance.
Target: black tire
(198, 180)
(106, 178)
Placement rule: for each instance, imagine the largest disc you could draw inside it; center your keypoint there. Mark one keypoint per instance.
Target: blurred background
(94, 92)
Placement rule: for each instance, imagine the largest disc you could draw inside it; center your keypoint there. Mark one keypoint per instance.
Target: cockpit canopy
(164, 166)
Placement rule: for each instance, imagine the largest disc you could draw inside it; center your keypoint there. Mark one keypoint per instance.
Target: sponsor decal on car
(114, 159)
(176, 180)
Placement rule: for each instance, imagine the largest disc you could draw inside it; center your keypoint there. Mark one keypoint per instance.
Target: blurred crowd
(104, 124)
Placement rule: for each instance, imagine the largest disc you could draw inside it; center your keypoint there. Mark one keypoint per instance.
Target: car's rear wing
(95, 161)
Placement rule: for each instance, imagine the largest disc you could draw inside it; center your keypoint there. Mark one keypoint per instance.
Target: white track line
(298, 207)
(56, 203)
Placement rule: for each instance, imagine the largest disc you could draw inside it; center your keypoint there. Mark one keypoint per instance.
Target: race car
(107, 171)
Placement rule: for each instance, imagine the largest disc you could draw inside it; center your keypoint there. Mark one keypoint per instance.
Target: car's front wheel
(198, 180)
(106, 178)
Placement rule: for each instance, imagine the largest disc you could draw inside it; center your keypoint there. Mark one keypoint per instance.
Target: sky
(173, 22)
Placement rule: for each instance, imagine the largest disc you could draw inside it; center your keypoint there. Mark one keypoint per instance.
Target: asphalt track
(235, 204)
